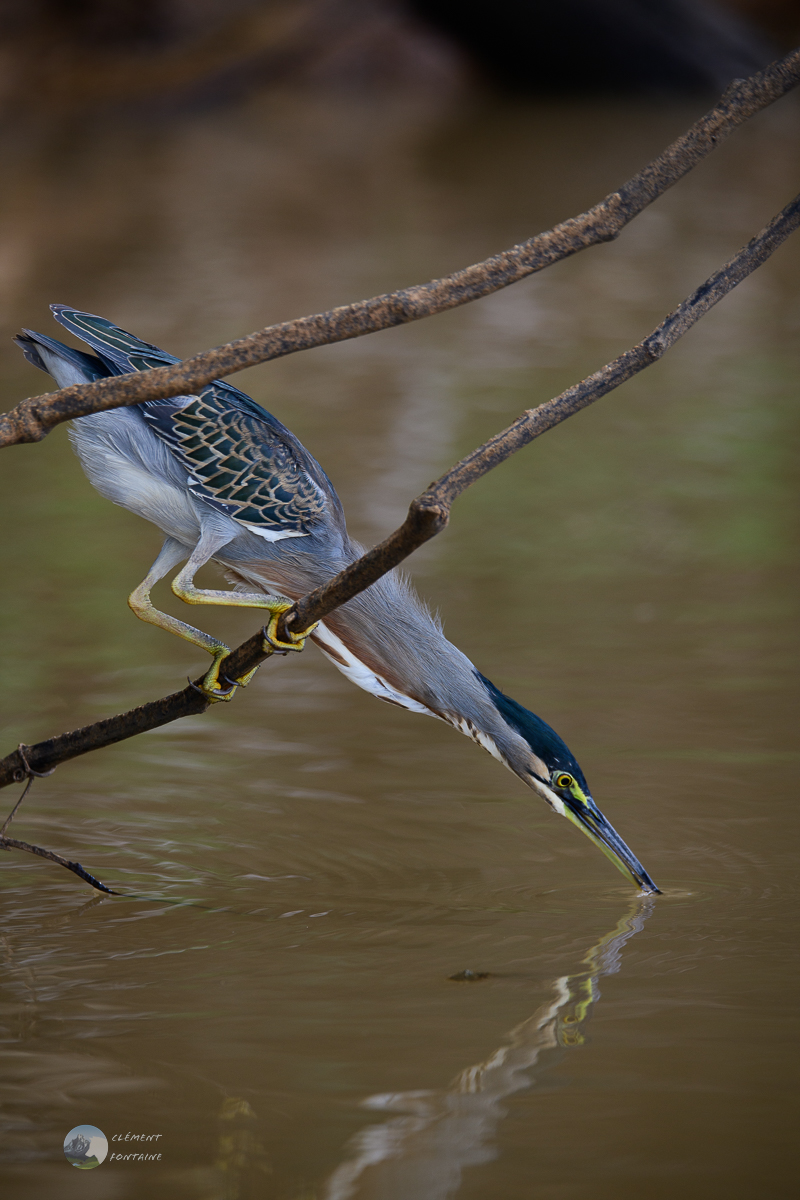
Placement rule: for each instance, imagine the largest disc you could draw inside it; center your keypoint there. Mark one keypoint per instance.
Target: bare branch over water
(427, 516)
(32, 419)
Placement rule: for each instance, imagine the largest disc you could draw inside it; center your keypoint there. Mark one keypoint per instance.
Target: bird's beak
(582, 811)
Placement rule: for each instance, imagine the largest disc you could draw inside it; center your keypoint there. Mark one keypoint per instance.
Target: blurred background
(81, 53)
(313, 867)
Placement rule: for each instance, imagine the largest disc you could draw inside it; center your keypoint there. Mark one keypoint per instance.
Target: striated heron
(225, 480)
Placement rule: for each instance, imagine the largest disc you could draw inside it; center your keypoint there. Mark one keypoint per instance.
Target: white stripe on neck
(364, 677)
(360, 674)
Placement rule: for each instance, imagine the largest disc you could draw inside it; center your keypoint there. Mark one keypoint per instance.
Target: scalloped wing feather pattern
(239, 459)
(236, 460)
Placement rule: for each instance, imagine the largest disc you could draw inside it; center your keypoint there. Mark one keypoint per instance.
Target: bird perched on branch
(225, 480)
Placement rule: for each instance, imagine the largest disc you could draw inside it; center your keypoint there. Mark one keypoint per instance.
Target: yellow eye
(564, 780)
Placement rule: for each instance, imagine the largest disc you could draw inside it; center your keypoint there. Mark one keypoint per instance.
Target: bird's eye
(564, 781)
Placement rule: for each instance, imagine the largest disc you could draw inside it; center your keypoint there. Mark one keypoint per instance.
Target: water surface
(314, 866)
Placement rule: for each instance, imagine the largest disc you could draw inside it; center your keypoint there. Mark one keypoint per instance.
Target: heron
(226, 481)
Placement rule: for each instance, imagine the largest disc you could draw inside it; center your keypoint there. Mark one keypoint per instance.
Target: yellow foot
(272, 642)
(210, 684)
(245, 679)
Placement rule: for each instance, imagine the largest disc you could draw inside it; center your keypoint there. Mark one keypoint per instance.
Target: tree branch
(33, 418)
(427, 516)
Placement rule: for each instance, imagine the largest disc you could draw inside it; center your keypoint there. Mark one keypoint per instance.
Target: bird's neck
(386, 641)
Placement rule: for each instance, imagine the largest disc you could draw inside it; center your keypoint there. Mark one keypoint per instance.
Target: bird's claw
(243, 682)
(209, 686)
(214, 694)
(272, 644)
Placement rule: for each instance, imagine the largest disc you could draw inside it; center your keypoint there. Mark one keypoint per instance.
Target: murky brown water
(316, 864)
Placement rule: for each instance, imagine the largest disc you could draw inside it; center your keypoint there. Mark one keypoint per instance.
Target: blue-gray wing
(239, 459)
(247, 467)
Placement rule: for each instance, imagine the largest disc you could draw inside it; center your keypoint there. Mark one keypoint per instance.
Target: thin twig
(14, 810)
(33, 418)
(7, 843)
(428, 514)
(25, 770)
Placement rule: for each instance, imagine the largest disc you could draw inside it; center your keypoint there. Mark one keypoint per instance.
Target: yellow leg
(139, 600)
(183, 587)
(172, 552)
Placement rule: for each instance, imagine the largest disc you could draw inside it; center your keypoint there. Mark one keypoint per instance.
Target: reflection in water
(241, 1158)
(424, 1152)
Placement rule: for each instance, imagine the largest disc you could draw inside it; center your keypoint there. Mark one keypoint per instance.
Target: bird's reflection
(423, 1151)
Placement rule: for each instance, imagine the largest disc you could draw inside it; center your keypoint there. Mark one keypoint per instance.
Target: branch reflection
(423, 1151)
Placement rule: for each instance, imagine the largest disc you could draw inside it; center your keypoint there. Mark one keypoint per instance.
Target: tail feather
(121, 351)
(124, 352)
(62, 362)
(27, 345)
